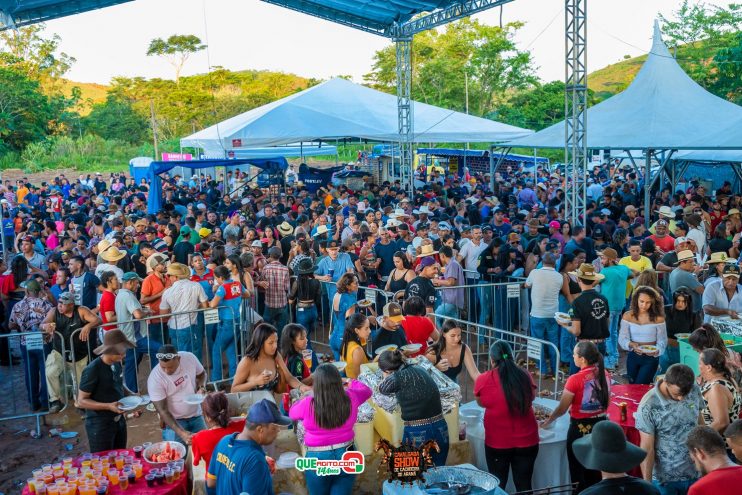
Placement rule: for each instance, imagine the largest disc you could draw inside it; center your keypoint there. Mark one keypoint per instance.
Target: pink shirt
(316, 436)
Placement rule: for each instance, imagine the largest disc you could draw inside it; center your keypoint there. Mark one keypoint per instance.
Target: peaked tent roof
(16, 13)
(662, 108)
(339, 109)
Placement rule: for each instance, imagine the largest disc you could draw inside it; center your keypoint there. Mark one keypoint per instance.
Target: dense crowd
(93, 274)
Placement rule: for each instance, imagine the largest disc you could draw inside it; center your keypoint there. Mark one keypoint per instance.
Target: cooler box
(390, 426)
(689, 357)
(364, 439)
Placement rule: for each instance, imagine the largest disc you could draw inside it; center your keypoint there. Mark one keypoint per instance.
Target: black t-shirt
(104, 383)
(591, 308)
(622, 486)
(387, 337)
(417, 394)
(181, 251)
(423, 288)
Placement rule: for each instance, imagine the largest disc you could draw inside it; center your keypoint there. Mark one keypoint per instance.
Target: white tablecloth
(551, 468)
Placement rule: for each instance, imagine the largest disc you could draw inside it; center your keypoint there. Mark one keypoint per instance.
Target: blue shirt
(239, 466)
(231, 298)
(613, 287)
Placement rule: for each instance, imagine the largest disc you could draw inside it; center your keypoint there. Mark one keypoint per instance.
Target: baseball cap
(555, 224)
(256, 243)
(731, 270)
(156, 259)
(680, 240)
(393, 311)
(266, 412)
(444, 226)
(426, 262)
(185, 229)
(332, 244)
(128, 276)
(204, 232)
(66, 298)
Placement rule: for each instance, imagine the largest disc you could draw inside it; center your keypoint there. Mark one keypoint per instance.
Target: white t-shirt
(545, 285)
(177, 386)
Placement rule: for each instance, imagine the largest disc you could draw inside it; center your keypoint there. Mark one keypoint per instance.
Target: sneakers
(55, 407)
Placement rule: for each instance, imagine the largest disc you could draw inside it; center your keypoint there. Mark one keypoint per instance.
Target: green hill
(91, 93)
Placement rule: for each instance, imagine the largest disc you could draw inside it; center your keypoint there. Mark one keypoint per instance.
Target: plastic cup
(119, 462)
(31, 484)
(132, 477)
(138, 451)
(160, 478)
(124, 482)
(145, 445)
(128, 459)
(150, 479)
(168, 475)
(306, 355)
(52, 490)
(138, 470)
(113, 476)
(40, 488)
(176, 472)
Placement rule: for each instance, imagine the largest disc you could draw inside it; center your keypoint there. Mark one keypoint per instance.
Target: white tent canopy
(339, 109)
(662, 108)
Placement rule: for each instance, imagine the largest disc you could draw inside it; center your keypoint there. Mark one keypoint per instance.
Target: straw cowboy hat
(114, 342)
(586, 271)
(424, 210)
(103, 245)
(112, 254)
(322, 229)
(720, 257)
(733, 211)
(606, 449)
(399, 213)
(685, 255)
(179, 270)
(426, 250)
(285, 229)
(666, 211)
(392, 222)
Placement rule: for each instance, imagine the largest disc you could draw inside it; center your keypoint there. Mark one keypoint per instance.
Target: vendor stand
(631, 396)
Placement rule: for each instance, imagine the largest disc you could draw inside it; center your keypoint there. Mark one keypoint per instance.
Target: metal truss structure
(18, 13)
(405, 113)
(575, 108)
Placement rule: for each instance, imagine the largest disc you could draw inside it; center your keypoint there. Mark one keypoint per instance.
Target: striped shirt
(277, 276)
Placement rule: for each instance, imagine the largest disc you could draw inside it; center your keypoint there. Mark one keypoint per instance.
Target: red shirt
(418, 330)
(107, 303)
(204, 442)
(724, 481)
(585, 402)
(503, 429)
(666, 243)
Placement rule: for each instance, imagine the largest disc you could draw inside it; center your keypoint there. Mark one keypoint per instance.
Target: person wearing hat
(101, 389)
(26, 316)
(715, 267)
(184, 296)
(607, 450)
(185, 247)
(662, 237)
(109, 261)
(153, 286)
(723, 296)
(73, 323)
(590, 311)
(238, 464)
(685, 275)
(390, 328)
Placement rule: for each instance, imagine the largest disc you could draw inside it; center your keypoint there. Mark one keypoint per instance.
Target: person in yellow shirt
(357, 332)
(21, 192)
(636, 263)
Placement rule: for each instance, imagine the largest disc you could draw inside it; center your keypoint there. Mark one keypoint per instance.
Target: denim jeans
(209, 330)
(158, 332)
(673, 487)
(546, 329)
(191, 425)
(340, 484)
(447, 309)
(224, 343)
(438, 431)
(34, 374)
(278, 317)
(670, 357)
(611, 342)
(485, 296)
(307, 317)
(641, 369)
(189, 339)
(336, 342)
(134, 356)
(573, 367)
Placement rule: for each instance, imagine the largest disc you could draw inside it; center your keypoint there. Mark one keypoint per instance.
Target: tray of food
(542, 413)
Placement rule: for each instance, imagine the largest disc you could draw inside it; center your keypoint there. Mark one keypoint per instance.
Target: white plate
(683, 336)
(411, 347)
(145, 399)
(562, 316)
(648, 348)
(194, 399)
(365, 303)
(390, 347)
(129, 403)
(340, 365)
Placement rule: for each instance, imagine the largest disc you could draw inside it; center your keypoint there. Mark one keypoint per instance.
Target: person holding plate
(644, 334)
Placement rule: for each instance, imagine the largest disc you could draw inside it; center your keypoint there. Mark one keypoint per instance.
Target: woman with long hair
(171, 234)
(511, 440)
(263, 368)
(401, 275)
(215, 409)
(584, 411)
(306, 295)
(643, 334)
(721, 395)
(343, 305)
(449, 354)
(218, 255)
(419, 401)
(352, 350)
(679, 318)
(706, 337)
(328, 417)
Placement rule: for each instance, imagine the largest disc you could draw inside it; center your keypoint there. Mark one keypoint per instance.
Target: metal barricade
(30, 378)
(527, 350)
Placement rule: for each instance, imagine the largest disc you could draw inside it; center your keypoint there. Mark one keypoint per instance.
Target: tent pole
(492, 169)
(647, 184)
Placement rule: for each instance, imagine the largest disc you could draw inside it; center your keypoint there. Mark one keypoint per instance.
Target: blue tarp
(154, 203)
(314, 178)
(451, 152)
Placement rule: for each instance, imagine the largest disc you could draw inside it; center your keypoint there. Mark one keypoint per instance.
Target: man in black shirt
(101, 388)
(590, 314)
(606, 450)
(183, 250)
(421, 286)
(390, 332)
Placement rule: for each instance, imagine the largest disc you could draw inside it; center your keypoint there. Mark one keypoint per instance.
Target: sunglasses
(165, 356)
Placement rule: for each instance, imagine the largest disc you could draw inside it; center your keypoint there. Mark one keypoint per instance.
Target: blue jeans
(278, 317)
(158, 331)
(307, 317)
(224, 342)
(670, 357)
(438, 431)
(134, 356)
(573, 367)
(449, 310)
(336, 342)
(191, 425)
(546, 329)
(673, 487)
(34, 373)
(209, 330)
(189, 339)
(611, 342)
(641, 369)
(340, 484)
(485, 297)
